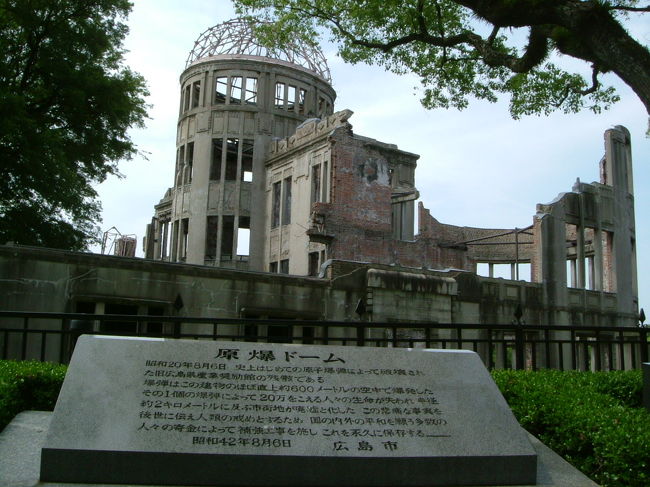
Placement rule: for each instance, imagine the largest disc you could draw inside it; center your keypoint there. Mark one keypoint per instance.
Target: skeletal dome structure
(236, 96)
(237, 37)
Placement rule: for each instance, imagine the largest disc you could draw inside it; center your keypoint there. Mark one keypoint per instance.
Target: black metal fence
(52, 336)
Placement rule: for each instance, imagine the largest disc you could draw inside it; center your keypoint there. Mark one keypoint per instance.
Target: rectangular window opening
(231, 159)
(284, 266)
(196, 94)
(315, 184)
(243, 241)
(273, 267)
(302, 96)
(291, 97)
(215, 166)
(211, 231)
(186, 98)
(236, 83)
(190, 161)
(279, 95)
(251, 91)
(275, 216)
(286, 202)
(221, 89)
(227, 233)
(313, 263)
(185, 227)
(325, 182)
(247, 160)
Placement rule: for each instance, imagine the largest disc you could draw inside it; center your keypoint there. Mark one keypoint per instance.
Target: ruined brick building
(261, 157)
(279, 210)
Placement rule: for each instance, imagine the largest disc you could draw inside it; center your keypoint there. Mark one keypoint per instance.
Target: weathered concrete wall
(35, 279)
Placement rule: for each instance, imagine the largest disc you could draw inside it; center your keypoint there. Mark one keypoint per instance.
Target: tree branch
(629, 9)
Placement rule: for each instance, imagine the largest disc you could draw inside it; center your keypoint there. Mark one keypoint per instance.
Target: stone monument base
(23, 438)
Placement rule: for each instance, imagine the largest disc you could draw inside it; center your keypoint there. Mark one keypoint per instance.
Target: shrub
(28, 385)
(593, 420)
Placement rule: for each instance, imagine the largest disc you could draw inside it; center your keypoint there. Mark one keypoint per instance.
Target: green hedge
(28, 385)
(594, 420)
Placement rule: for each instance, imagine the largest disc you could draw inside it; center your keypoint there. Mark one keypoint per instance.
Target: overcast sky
(477, 167)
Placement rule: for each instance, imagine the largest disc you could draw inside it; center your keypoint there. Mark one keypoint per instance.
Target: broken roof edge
(312, 128)
(308, 131)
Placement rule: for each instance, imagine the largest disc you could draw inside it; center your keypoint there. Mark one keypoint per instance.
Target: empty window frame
(212, 228)
(315, 183)
(185, 228)
(227, 234)
(275, 215)
(291, 98)
(215, 166)
(279, 95)
(313, 263)
(284, 266)
(247, 160)
(302, 96)
(236, 85)
(180, 165)
(189, 161)
(196, 94)
(273, 267)
(243, 235)
(232, 154)
(221, 90)
(286, 201)
(186, 98)
(251, 91)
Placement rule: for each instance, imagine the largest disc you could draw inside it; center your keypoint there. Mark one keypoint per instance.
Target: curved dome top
(236, 37)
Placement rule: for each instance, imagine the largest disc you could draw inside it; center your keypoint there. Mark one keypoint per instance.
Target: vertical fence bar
(533, 344)
(361, 335)
(63, 338)
(643, 339)
(598, 364)
(519, 347)
(574, 358)
(547, 349)
(490, 346)
(23, 351)
(5, 345)
(43, 338)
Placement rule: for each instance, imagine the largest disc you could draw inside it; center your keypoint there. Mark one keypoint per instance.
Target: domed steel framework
(236, 37)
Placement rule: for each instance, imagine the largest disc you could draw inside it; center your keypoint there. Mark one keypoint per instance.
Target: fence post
(519, 337)
(519, 346)
(643, 338)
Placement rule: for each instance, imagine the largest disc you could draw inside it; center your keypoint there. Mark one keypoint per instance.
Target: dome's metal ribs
(236, 37)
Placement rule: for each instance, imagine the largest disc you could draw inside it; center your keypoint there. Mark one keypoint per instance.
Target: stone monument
(180, 412)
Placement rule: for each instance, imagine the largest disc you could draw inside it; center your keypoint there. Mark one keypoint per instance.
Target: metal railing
(52, 336)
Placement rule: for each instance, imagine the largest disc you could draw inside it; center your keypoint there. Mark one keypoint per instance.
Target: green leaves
(464, 50)
(28, 385)
(594, 420)
(66, 103)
